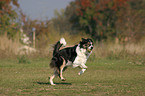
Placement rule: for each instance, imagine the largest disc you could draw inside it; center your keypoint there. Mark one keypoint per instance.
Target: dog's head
(87, 44)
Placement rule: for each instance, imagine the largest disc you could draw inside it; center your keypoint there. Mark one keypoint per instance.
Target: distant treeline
(100, 19)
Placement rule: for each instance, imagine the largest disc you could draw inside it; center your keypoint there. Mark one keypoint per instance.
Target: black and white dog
(75, 56)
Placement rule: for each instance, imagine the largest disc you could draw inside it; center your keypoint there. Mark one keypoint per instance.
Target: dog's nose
(91, 48)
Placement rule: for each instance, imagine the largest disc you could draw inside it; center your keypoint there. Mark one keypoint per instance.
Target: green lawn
(103, 77)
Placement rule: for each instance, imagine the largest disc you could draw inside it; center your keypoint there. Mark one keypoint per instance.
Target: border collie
(75, 56)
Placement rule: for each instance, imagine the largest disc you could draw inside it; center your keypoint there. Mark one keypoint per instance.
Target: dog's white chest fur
(81, 58)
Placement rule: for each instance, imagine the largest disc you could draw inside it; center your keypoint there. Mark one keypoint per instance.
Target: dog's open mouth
(89, 50)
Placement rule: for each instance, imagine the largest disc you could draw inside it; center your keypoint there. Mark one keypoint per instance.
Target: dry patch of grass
(129, 51)
(109, 50)
(8, 47)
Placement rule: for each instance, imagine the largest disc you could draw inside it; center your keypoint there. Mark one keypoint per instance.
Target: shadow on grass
(47, 83)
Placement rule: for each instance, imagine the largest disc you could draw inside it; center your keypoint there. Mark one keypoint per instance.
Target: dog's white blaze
(81, 58)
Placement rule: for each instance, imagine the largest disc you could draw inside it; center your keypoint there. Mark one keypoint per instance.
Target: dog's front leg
(82, 71)
(84, 67)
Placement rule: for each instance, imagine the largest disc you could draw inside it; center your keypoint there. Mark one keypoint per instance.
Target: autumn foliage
(101, 19)
(97, 17)
(8, 17)
(120, 21)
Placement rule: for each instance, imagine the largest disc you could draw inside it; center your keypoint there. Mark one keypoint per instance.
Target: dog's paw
(79, 73)
(63, 79)
(53, 84)
(82, 71)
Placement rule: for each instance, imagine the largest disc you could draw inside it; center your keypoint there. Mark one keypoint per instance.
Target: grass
(103, 77)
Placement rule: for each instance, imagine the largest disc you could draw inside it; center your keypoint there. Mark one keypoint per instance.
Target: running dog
(75, 56)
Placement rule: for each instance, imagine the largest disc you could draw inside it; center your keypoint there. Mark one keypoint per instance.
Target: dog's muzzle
(90, 49)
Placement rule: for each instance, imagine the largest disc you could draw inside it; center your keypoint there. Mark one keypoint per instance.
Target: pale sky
(42, 9)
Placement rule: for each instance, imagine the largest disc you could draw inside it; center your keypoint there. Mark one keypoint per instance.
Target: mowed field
(103, 77)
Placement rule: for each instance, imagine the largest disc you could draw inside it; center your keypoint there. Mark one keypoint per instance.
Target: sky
(42, 9)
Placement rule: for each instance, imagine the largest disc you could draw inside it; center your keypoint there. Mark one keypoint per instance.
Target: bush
(23, 59)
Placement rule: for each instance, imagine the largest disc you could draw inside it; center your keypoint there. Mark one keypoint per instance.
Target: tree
(97, 17)
(131, 22)
(60, 21)
(8, 17)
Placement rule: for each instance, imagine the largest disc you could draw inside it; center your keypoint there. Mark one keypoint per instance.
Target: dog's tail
(58, 45)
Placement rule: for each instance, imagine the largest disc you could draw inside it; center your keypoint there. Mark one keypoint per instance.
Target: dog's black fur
(67, 53)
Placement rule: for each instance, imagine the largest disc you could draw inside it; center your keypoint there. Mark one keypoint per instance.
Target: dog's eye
(86, 45)
(90, 45)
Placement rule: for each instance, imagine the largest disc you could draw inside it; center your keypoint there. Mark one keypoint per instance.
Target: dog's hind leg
(53, 76)
(61, 69)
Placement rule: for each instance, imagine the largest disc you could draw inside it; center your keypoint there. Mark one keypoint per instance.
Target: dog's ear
(83, 39)
(90, 39)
